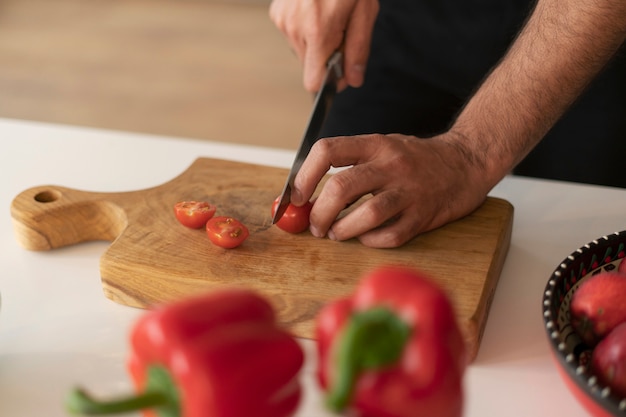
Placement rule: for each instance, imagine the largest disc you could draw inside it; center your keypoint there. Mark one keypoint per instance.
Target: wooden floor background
(205, 69)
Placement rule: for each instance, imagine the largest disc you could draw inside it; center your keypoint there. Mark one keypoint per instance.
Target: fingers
(396, 234)
(316, 55)
(317, 28)
(380, 211)
(346, 186)
(358, 38)
(339, 192)
(287, 18)
(335, 152)
(415, 186)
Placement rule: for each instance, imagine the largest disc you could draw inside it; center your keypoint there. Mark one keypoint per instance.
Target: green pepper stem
(372, 339)
(82, 403)
(160, 394)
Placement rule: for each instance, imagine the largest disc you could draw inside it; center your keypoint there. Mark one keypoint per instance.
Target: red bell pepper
(216, 355)
(392, 349)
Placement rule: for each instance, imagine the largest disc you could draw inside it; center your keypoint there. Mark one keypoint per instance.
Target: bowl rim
(567, 359)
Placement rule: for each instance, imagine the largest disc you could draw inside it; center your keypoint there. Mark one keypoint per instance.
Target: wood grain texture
(153, 259)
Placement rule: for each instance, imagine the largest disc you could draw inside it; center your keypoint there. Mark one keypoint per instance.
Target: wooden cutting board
(154, 259)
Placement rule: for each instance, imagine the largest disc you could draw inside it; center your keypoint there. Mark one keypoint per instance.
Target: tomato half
(295, 219)
(194, 214)
(226, 232)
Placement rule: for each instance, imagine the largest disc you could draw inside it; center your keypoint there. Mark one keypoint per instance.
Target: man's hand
(417, 185)
(421, 184)
(316, 28)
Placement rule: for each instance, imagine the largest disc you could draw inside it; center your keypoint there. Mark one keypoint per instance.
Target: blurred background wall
(204, 69)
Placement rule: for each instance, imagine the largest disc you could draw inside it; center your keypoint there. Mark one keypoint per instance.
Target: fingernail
(331, 235)
(358, 74)
(295, 196)
(315, 231)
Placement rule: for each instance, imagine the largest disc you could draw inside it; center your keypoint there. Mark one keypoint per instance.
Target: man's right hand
(316, 28)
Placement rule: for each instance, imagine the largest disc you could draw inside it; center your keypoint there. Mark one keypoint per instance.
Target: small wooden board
(154, 259)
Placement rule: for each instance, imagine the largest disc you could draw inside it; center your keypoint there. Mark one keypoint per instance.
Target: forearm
(562, 47)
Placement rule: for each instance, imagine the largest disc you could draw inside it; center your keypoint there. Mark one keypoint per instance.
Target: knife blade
(321, 106)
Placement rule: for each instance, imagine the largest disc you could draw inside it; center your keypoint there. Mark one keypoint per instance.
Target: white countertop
(57, 329)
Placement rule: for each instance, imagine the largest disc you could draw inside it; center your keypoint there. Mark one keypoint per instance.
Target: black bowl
(571, 355)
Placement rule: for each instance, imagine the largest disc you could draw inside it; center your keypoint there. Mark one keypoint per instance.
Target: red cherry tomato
(194, 214)
(295, 219)
(226, 232)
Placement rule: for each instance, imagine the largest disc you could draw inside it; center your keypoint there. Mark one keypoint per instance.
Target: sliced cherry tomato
(226, 232)
(194, 214)
(295, 219)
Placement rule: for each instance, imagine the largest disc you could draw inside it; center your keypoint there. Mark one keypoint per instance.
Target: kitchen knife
(323, 101)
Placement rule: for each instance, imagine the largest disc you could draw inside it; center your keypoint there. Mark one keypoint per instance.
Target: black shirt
(428, 56)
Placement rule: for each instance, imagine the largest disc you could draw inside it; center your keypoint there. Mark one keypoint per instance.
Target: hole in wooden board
(47, 196)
